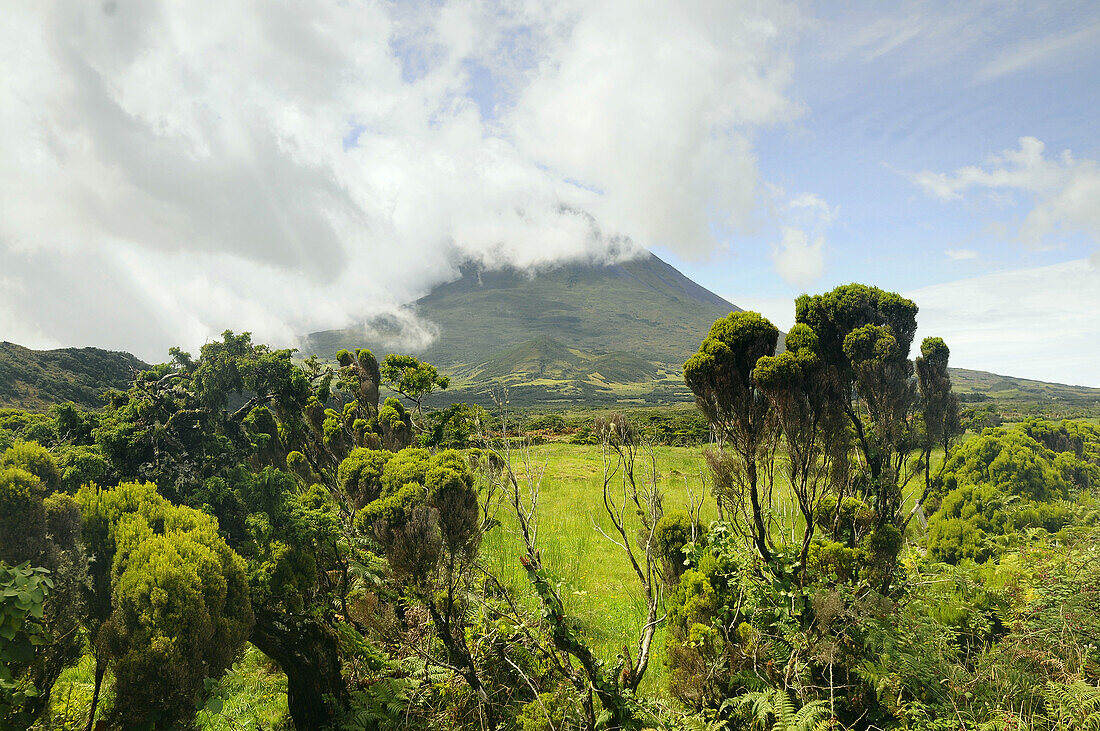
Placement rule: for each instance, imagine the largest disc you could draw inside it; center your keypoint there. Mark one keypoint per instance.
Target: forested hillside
(36, 379)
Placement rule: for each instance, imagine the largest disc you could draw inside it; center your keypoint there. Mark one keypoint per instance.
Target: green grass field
(598, 586)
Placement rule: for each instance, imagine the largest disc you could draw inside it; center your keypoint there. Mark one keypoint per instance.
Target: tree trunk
(309, 654)
(760, 533)
(458, 655)
(100, 669)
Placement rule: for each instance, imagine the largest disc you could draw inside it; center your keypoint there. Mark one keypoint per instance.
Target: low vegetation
(829, 539)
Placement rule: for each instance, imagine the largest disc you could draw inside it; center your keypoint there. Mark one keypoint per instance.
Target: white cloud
(811, 210)
(779, 310)
(799, 255)
(168, 170)
(797, 258)
(1064, 192)
(1024, 323)
(960, 254)
(652, 103)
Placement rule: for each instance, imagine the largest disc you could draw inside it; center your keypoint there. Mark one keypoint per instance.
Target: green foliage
(673, 532)
(436, 507)
(406, 466)
(833, 316)
(360, 475)
(176, 609)
(720, 373)
(82, 465)
(16, 424)
(23, 593)
(412, 378)
(939, 406)
(864, 335)
(396, 425)
(37, 460)
(1073, 706)
(1007, 481)
(391, 511)
(43, 530)
(22, 515)
(450, 428)
(775, 710)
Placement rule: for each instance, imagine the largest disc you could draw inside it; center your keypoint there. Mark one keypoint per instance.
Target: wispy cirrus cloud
(921, 35)
(1039, 51)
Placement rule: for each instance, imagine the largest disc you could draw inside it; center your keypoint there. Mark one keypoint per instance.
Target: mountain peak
(643, 305)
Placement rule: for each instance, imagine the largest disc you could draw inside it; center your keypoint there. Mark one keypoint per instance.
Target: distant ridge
(977, 386)
(36, 379)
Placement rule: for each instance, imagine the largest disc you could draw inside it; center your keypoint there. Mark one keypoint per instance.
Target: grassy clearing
(597, 583)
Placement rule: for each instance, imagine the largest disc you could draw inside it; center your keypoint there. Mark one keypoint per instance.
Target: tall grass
(597, 584)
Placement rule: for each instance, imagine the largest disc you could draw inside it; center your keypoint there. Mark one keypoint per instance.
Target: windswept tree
(426, 521)
(840, 418)
(845, 371)
(720, 376)
(865, 335)
(815, 436)
(247, 435)
(940, 422)
(412, 378)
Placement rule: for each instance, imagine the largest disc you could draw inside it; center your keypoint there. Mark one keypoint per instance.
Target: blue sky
(869, 120)
(167, 176)
(875, 113)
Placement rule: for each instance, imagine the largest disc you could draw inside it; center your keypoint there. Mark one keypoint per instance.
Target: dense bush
(40, 530)
(170, 601)
(1036, 475)
(240, 496)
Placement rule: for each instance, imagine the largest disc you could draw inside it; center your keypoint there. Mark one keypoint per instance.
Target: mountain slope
(977, 386)
(596, 331)
(35, 379)
(642, 306)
